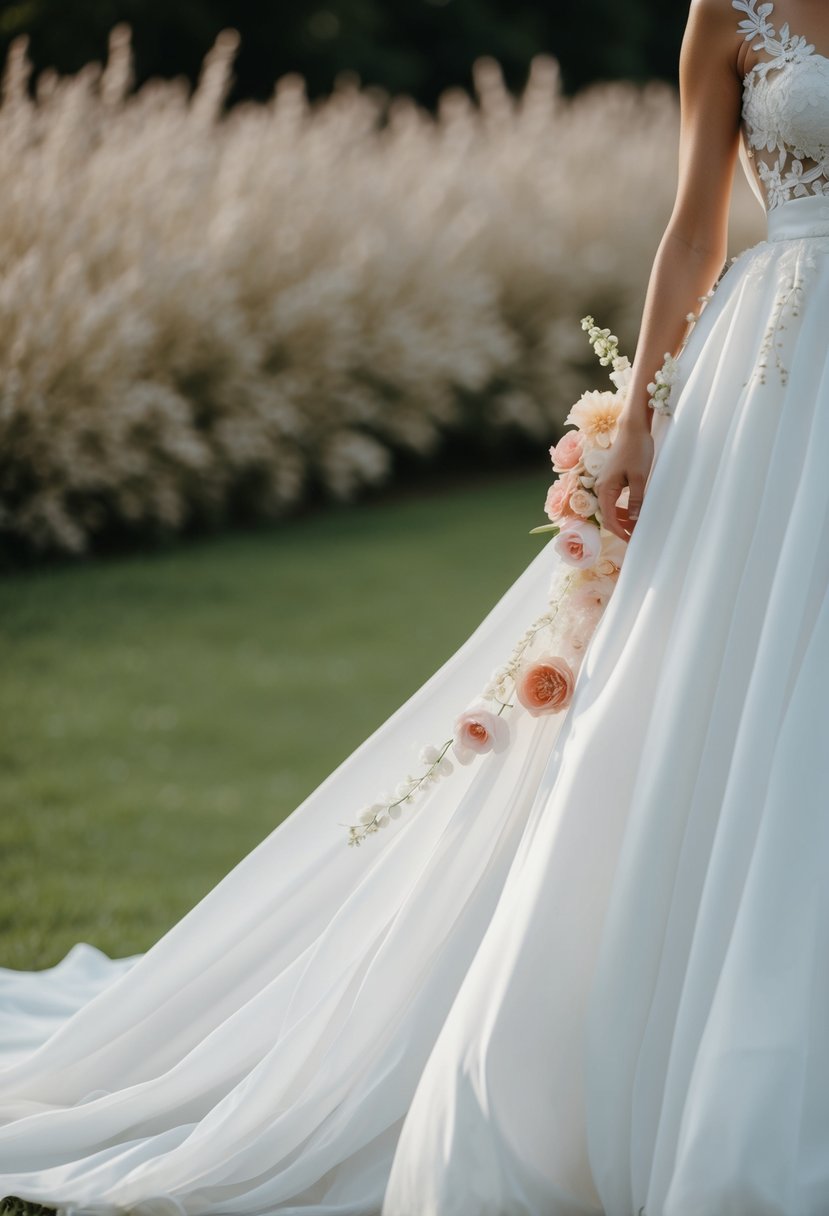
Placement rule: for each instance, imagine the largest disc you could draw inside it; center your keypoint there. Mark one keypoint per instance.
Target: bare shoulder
(718, 12)
(713, 29)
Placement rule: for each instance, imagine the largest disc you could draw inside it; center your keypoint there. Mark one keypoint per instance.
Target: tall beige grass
(206, 315)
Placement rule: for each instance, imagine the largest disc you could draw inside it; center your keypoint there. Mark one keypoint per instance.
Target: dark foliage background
(418, 47)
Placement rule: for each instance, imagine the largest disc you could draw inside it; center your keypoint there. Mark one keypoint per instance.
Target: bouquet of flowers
(540, 673)
(580, 454)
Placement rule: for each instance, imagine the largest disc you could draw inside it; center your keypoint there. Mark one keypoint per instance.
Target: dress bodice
(785, 110)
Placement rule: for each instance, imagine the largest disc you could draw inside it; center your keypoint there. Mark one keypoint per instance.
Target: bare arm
(693, 248)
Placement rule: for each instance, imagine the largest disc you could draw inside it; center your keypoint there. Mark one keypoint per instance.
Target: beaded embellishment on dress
(785, 112)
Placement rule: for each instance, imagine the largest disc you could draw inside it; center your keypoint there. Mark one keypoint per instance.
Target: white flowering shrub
(208, 315)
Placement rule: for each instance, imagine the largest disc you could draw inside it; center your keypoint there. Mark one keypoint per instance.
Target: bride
(586, 973)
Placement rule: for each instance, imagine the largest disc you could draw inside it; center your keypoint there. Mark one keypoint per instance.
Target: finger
(626, 523)
(637, 493)
(613, 524)
(608, 493)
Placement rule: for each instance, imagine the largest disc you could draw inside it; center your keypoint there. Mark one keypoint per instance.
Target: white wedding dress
(588, 974)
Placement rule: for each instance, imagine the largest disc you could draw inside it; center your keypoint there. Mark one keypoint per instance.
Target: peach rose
(557, 505)
(566, 454)
(478, 730)
(546, 687)
(579, 543)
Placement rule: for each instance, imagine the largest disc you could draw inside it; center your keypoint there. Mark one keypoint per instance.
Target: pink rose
(579, 543)
(476, 731)
(546, 687)
(566, 454)
(557, 505)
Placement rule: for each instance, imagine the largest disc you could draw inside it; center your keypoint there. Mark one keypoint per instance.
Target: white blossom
(429, 754)
(662, 384)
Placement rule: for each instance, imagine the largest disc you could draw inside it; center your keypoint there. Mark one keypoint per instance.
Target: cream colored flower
(622, 372)
(583, 503)
(594, 592)
(662, 384)
(612, 553)
(429, 754)
(597, 416)
(594, 460)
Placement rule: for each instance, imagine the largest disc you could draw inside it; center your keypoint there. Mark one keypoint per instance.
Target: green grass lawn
(162, 713)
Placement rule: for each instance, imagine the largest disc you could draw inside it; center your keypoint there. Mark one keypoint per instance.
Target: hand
(629, 463)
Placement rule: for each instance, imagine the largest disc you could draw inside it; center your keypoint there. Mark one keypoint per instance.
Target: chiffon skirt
(589, 974)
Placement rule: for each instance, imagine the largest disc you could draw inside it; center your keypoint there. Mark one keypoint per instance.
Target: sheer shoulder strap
(779, 46)
(756, 25)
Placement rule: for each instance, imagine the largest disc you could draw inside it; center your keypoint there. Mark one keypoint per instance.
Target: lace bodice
(785, 110)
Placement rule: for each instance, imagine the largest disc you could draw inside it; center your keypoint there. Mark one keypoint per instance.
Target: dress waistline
(798, 218)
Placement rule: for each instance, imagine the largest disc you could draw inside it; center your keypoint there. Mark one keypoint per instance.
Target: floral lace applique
(785, 109)
(784, 48)
(793, 271)
(783, 179)
(786, 305)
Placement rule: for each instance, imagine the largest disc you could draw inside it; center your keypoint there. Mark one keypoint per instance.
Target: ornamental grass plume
(208, 316)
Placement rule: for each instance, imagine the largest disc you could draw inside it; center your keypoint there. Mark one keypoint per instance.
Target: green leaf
(554, 528)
